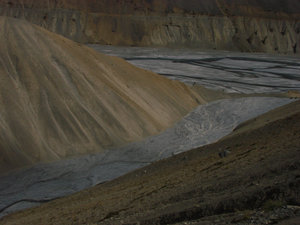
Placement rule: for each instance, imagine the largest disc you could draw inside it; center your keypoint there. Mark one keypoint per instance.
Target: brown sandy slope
(59, 98)
(262, 170)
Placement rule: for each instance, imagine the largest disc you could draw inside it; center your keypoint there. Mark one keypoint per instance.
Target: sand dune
(59, 98)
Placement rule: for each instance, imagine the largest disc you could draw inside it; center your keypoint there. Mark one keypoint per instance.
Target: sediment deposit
(59, 98)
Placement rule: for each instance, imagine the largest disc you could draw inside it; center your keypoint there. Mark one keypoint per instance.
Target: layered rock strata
(220, 24)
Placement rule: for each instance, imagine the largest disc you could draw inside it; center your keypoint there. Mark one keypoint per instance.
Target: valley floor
(229, 72)
(258, 182)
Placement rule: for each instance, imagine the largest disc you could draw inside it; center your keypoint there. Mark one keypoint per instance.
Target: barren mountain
(249, 177)
(59, 98)
(243, 25)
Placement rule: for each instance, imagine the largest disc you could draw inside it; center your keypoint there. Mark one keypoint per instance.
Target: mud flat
(231, 72)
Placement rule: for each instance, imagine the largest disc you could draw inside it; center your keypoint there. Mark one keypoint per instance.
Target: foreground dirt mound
(250, 177)
(243, 25)
(59, 98)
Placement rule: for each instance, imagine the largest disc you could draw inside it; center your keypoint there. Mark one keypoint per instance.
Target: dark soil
(257, 182)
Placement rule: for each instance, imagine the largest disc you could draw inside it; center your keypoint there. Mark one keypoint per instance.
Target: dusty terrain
(242, 25)
(208, 123)
(256, 183)
(59, 98)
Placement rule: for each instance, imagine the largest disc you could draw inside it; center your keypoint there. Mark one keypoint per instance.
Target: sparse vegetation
(273, 204)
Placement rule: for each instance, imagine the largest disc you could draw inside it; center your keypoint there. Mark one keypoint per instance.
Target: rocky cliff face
(241, 25)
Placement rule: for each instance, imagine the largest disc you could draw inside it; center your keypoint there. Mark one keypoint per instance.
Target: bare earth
(59, 98)
(258, 182)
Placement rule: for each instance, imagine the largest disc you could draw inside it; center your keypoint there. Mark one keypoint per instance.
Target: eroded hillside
(59, 98)
(268, 26)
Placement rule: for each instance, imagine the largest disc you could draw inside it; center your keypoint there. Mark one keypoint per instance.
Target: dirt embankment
(59, 98)
(257, 181)
(245, 25)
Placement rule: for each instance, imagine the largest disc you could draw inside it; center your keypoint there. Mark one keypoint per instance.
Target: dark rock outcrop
(241, 25)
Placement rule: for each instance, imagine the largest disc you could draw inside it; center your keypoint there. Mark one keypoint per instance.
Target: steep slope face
(214, 24)
(59, 98)
(262, 8)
